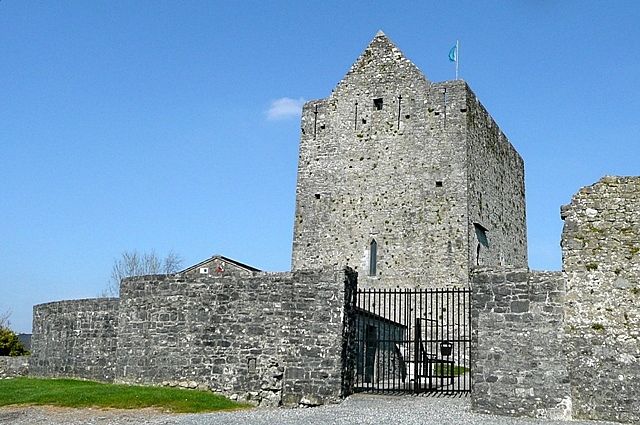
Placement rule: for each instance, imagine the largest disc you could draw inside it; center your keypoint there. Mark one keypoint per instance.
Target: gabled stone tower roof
(380, 64)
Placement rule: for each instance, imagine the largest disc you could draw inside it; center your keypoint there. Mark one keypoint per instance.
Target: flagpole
(457, 57)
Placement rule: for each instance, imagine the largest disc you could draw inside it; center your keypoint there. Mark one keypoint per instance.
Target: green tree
(10, 345)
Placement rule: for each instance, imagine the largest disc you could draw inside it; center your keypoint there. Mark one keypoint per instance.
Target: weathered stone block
(519, 306)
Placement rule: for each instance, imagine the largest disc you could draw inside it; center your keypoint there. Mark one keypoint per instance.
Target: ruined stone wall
(75, 338)
(601, 257)
(496, 194)
(390, 172)
(518, 363)
(269, 338)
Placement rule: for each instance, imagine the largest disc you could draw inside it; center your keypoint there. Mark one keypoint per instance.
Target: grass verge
(76, 393)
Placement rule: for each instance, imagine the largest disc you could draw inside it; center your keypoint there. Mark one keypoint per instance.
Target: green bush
(10, 345)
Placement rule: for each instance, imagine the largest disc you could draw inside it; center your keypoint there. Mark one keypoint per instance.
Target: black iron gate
(413, 340)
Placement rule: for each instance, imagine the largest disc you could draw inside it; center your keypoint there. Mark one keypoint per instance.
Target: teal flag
(453, 54)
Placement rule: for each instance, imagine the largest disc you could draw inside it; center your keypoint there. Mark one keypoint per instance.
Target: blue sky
(156, 125)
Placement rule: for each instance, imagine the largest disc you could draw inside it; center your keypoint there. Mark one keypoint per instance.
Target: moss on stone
(595, 229)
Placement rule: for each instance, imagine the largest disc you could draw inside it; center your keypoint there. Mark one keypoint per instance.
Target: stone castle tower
(409, 182)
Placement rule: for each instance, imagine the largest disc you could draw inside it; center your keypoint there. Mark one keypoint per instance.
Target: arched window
(373, 257)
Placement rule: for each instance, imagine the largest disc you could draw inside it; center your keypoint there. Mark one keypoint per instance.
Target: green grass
(445, 370)
(76, 393)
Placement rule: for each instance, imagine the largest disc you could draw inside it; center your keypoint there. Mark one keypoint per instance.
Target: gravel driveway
(358, 409)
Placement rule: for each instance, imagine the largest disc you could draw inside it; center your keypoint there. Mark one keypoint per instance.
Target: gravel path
(358, 409)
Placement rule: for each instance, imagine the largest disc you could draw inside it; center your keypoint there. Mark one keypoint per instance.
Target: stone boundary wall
(518, 363)
(75, 338)
(11, 367)
(271, 338)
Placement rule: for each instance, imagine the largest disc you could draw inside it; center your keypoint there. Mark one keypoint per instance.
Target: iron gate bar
(413, 340)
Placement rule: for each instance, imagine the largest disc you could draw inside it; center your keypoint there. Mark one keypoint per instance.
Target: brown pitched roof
(226, 260)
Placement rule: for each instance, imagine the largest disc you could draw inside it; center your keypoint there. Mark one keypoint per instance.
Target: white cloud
(285, 108)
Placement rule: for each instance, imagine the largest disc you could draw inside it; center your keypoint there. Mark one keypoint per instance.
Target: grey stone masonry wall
(518, 362)
(270, 338)
(393, 158)
(601, 257)
(11, 367)
(75, 338)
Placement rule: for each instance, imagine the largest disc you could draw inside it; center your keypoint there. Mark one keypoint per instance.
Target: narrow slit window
(373, 258)
(377, 103)
(315, 121)
(355, 119)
